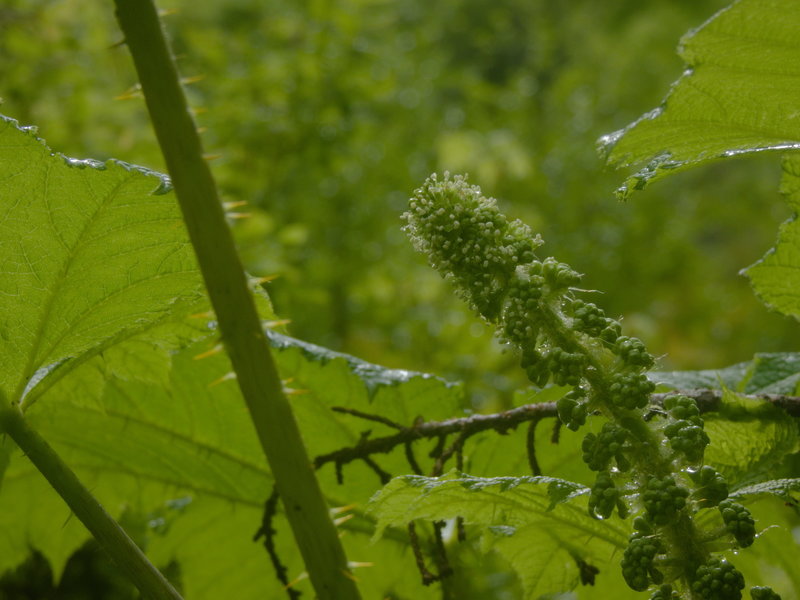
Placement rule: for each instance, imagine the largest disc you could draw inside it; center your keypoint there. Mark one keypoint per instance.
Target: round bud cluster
(598, 450)
(683, 408)
(687, 438)
(663, 498)
(588, 318)
(559, 276)
(738, 521)
(710, 487)
(467, 238)
(604, 497)
(567, 367)
(665, 592)
(637, 561)
(610, 332)
(760, 592)
(718, 580)
(631, 390)
(633, 352)
(572, 409)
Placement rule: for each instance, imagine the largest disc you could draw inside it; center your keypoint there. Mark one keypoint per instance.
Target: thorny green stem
(108, 533)
(233, 304)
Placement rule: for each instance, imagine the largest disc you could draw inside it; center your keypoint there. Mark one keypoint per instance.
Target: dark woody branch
(503, 422)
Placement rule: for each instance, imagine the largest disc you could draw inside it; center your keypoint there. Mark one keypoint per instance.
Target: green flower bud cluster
(631, 390)
(589, 319)
(605, 497)
(685, 433)
(663, 498)
(655, 463)
(718, 580)
(633, 352)
(710, 487)
(738, 522)
(638, 561)
(572, 409)
(598, 450)
(763, 593)
(467, 238)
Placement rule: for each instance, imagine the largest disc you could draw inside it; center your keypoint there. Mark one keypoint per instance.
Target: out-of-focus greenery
(326, 115)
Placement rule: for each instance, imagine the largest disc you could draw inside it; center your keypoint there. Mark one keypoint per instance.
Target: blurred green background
(326, 115)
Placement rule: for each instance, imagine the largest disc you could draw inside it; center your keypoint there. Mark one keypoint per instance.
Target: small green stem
(233, 304)
(111, 537)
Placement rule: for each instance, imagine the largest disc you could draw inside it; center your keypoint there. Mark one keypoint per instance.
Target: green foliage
(718, 580)
(106, 326)
(637, 561)
(564, 533)
(66, 296)
(738, 522)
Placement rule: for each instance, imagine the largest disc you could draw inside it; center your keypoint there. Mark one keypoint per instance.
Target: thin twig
(502, 422)
(530, 445)
(367, 416)
(268, 532)
(427, 577)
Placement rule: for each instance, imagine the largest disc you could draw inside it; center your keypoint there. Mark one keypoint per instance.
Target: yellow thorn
(298, 579)
(294, 392)
(198, 111)
(238, 215)
(236, 204)
(350, 576)
(274, 324)
(355, 565)
(168, 12)
(343, 519)
(224, 378)
(202, 130)
(192, 79)
(337, 510)
(266, 279)
(211, 157)
(215, 350)
(203, 315)
(135, 91)
(122, 42)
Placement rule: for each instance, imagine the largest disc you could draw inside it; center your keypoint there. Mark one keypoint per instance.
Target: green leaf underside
(776, 277)
(743, 65)
(90, 253)
(139, 444)
(541, 531)
(781, 488)
(373, 376)
(767, 373)
(748, 438)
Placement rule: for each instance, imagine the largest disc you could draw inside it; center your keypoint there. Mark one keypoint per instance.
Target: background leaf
(766, 373)
(90, 253)
(184, 458)
(544, 544)
(742, 65)
(776, 277)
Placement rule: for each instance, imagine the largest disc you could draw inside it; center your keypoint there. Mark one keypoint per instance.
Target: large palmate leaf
(90, 253)
(767, 373)
(539, 524)
(748, 437)
(742, 67)
(735, 98)
(177, 446)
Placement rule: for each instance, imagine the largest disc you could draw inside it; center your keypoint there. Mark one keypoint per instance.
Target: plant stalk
(111, 537)
(239, 324)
